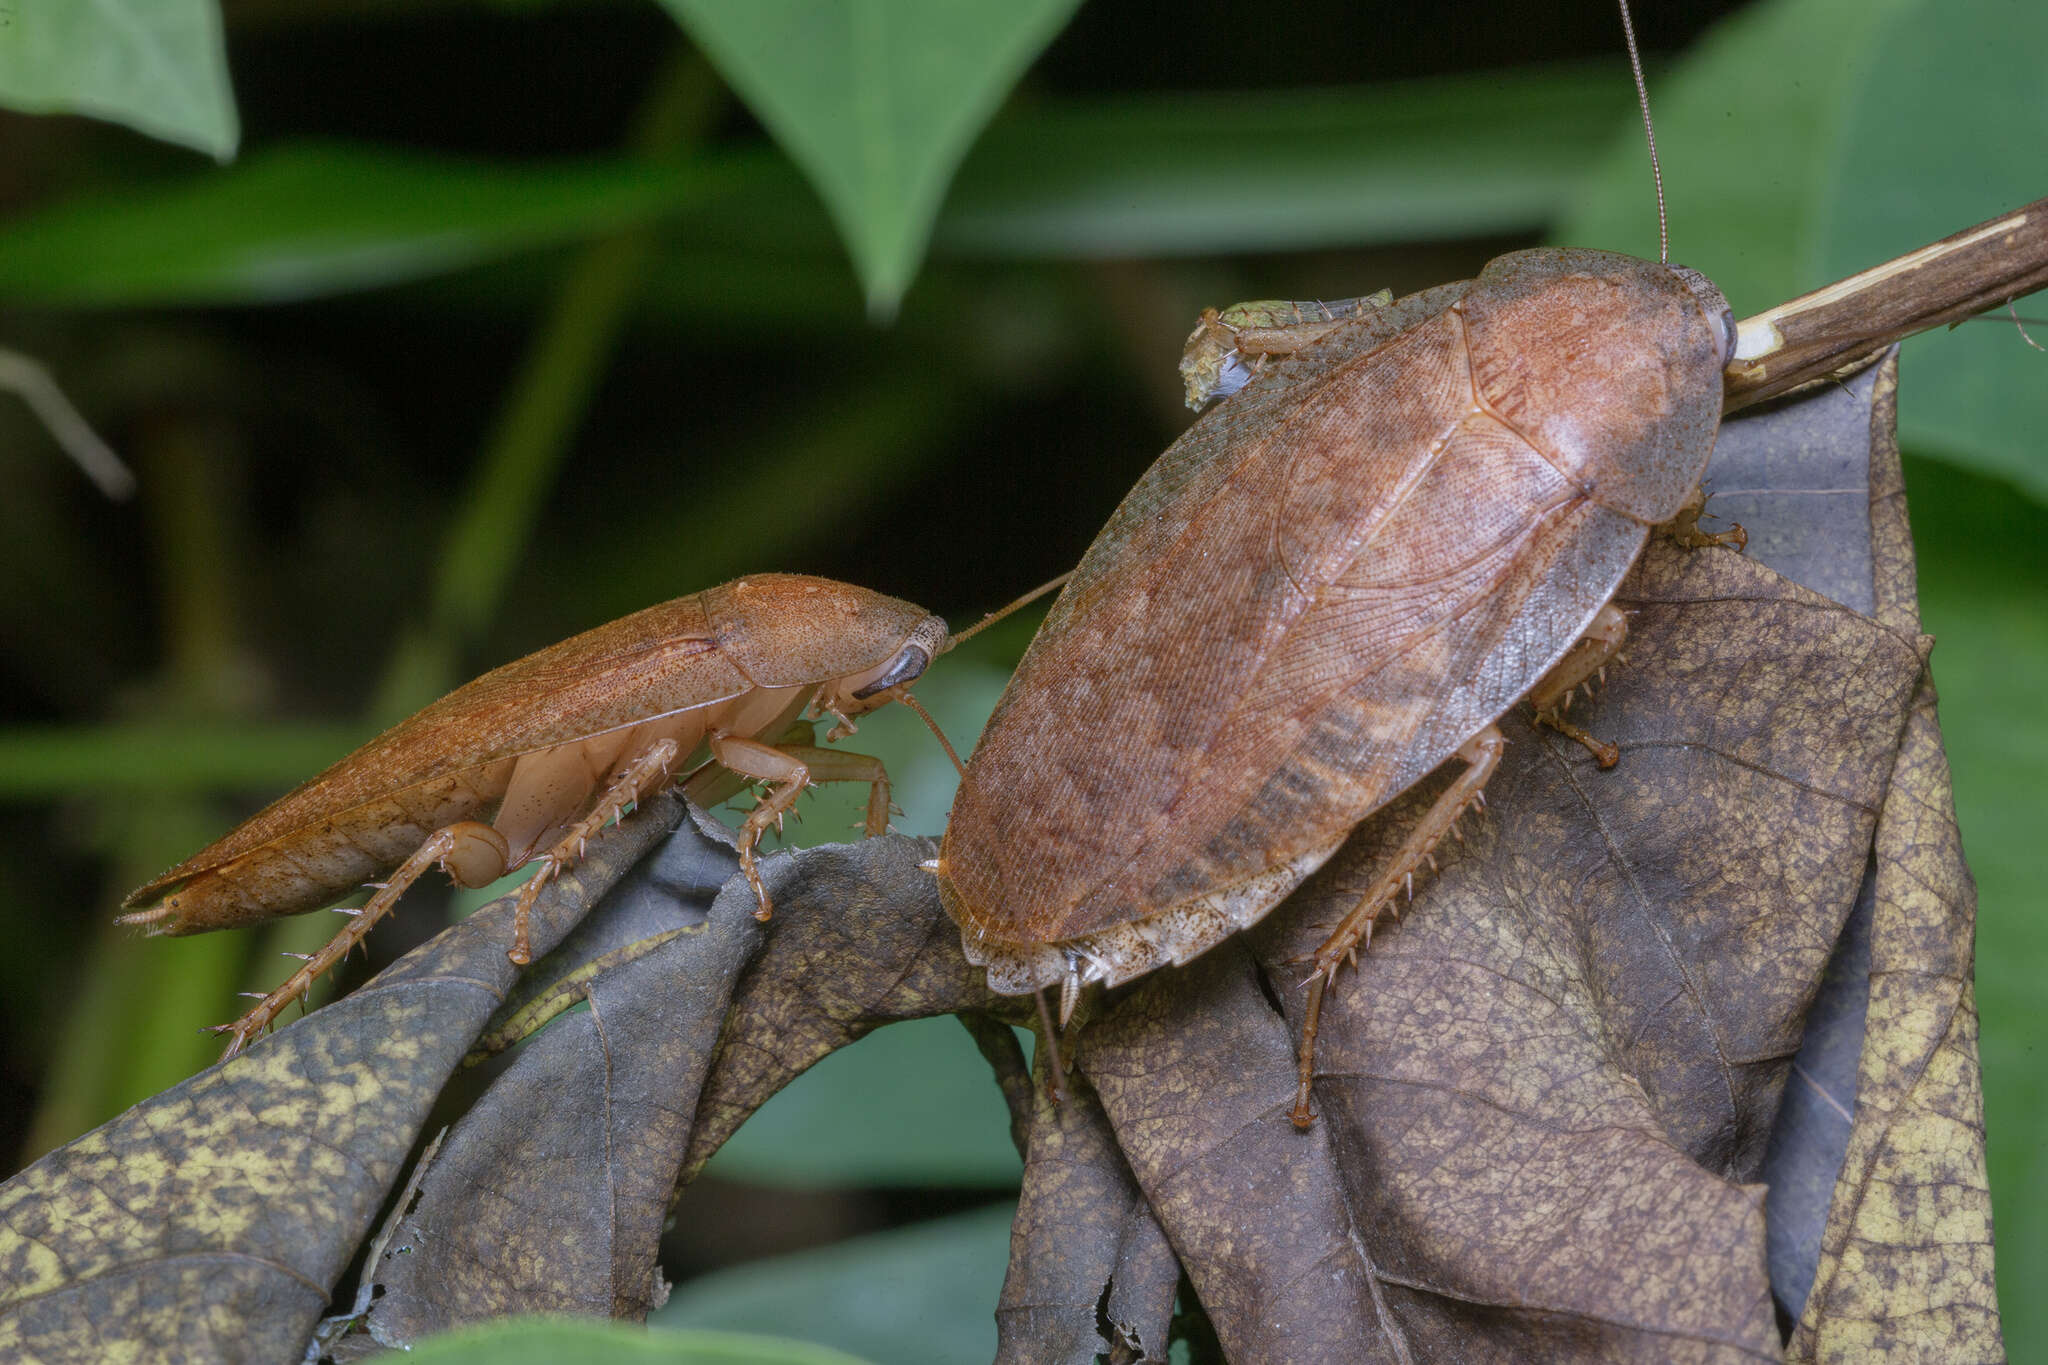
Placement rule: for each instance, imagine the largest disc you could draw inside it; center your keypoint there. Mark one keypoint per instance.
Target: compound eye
(908, 665)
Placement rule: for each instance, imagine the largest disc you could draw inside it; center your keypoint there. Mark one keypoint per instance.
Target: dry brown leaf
(1906, 1261)
(549, 1195)
(212, 1222)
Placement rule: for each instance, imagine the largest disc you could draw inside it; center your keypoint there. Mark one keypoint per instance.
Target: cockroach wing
(662, 658)
(1313, 599)
(683, 654)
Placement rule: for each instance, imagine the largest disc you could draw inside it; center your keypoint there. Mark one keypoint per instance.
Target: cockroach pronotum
(1412, 518)
(531, 760)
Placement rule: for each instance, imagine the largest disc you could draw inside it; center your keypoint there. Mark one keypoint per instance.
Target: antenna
(983, 624)
(1635, 61)
(1026, 600)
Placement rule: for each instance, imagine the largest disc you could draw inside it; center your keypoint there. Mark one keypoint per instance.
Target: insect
(1227, 347)
(1335, 581)
(530, 761)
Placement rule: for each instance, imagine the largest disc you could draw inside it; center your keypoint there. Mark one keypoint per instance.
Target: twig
(1833, 332)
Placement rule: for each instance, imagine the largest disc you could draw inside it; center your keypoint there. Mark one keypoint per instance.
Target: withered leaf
(549, 1195)
(1081, 1225)
(211, 1222)
(862, 942)
(1906, 1259)
(1555, 1079)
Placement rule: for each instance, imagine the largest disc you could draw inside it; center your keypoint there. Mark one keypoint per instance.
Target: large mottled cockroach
(1335, 581)
(1411, 518)
(530, 761)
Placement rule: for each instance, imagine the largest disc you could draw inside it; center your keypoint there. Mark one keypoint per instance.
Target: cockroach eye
(909, 664)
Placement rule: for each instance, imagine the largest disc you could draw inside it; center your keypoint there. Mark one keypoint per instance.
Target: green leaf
(1063, 180)
(36, 763)
(570, 1341)
(876, 100)
(320, 218)
(1804, 140)
(1948, 129)
(921, 1295)
(1282, 170)
(158, 66)
(911, 1104)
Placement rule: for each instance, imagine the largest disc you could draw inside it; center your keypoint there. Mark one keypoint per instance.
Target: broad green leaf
(321, 218)
(573, 1341)
(1949, 127)
(158, 66)
(1282, 170)
(921, 1295)
(876, 100)
(40, 763)
(1804, 140)
(1423, 159)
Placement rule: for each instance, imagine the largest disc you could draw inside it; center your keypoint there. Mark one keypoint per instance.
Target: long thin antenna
(937, 733)
(1635, 61)
(1026, 600)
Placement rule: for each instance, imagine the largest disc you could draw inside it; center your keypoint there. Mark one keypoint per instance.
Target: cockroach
(1228, 346)
(1411, 518)
(530, 761)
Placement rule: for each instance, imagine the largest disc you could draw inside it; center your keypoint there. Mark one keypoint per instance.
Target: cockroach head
(865, 691)
(1713, 303)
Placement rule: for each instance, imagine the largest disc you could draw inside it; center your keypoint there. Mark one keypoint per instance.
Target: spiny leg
(1597, 648)
(1482, 755)
(1685, 527)
(1602, 642)
(836, 765)
(1055, 1065)
(464, 847)
(631, 784)
(790, 770)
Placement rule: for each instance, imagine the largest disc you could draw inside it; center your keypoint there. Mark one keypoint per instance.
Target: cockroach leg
(1685, 527)
(1482, 755)
(1598, 647)
(1605, 755)
(788, 770)
(629, 785)
(836, 765)
(465, 844)
(1055, 1065)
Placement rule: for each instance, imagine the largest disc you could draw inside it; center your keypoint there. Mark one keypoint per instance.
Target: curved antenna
(1026, 600)
(1635, 62)
(937, 733)
(983, 624)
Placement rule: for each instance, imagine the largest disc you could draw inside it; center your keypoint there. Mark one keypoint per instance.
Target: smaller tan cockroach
(531, 760)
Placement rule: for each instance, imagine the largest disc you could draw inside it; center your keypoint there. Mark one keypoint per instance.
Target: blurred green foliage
(159, 65)
(513, 319)
(555, 1341)
(919, 1296)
